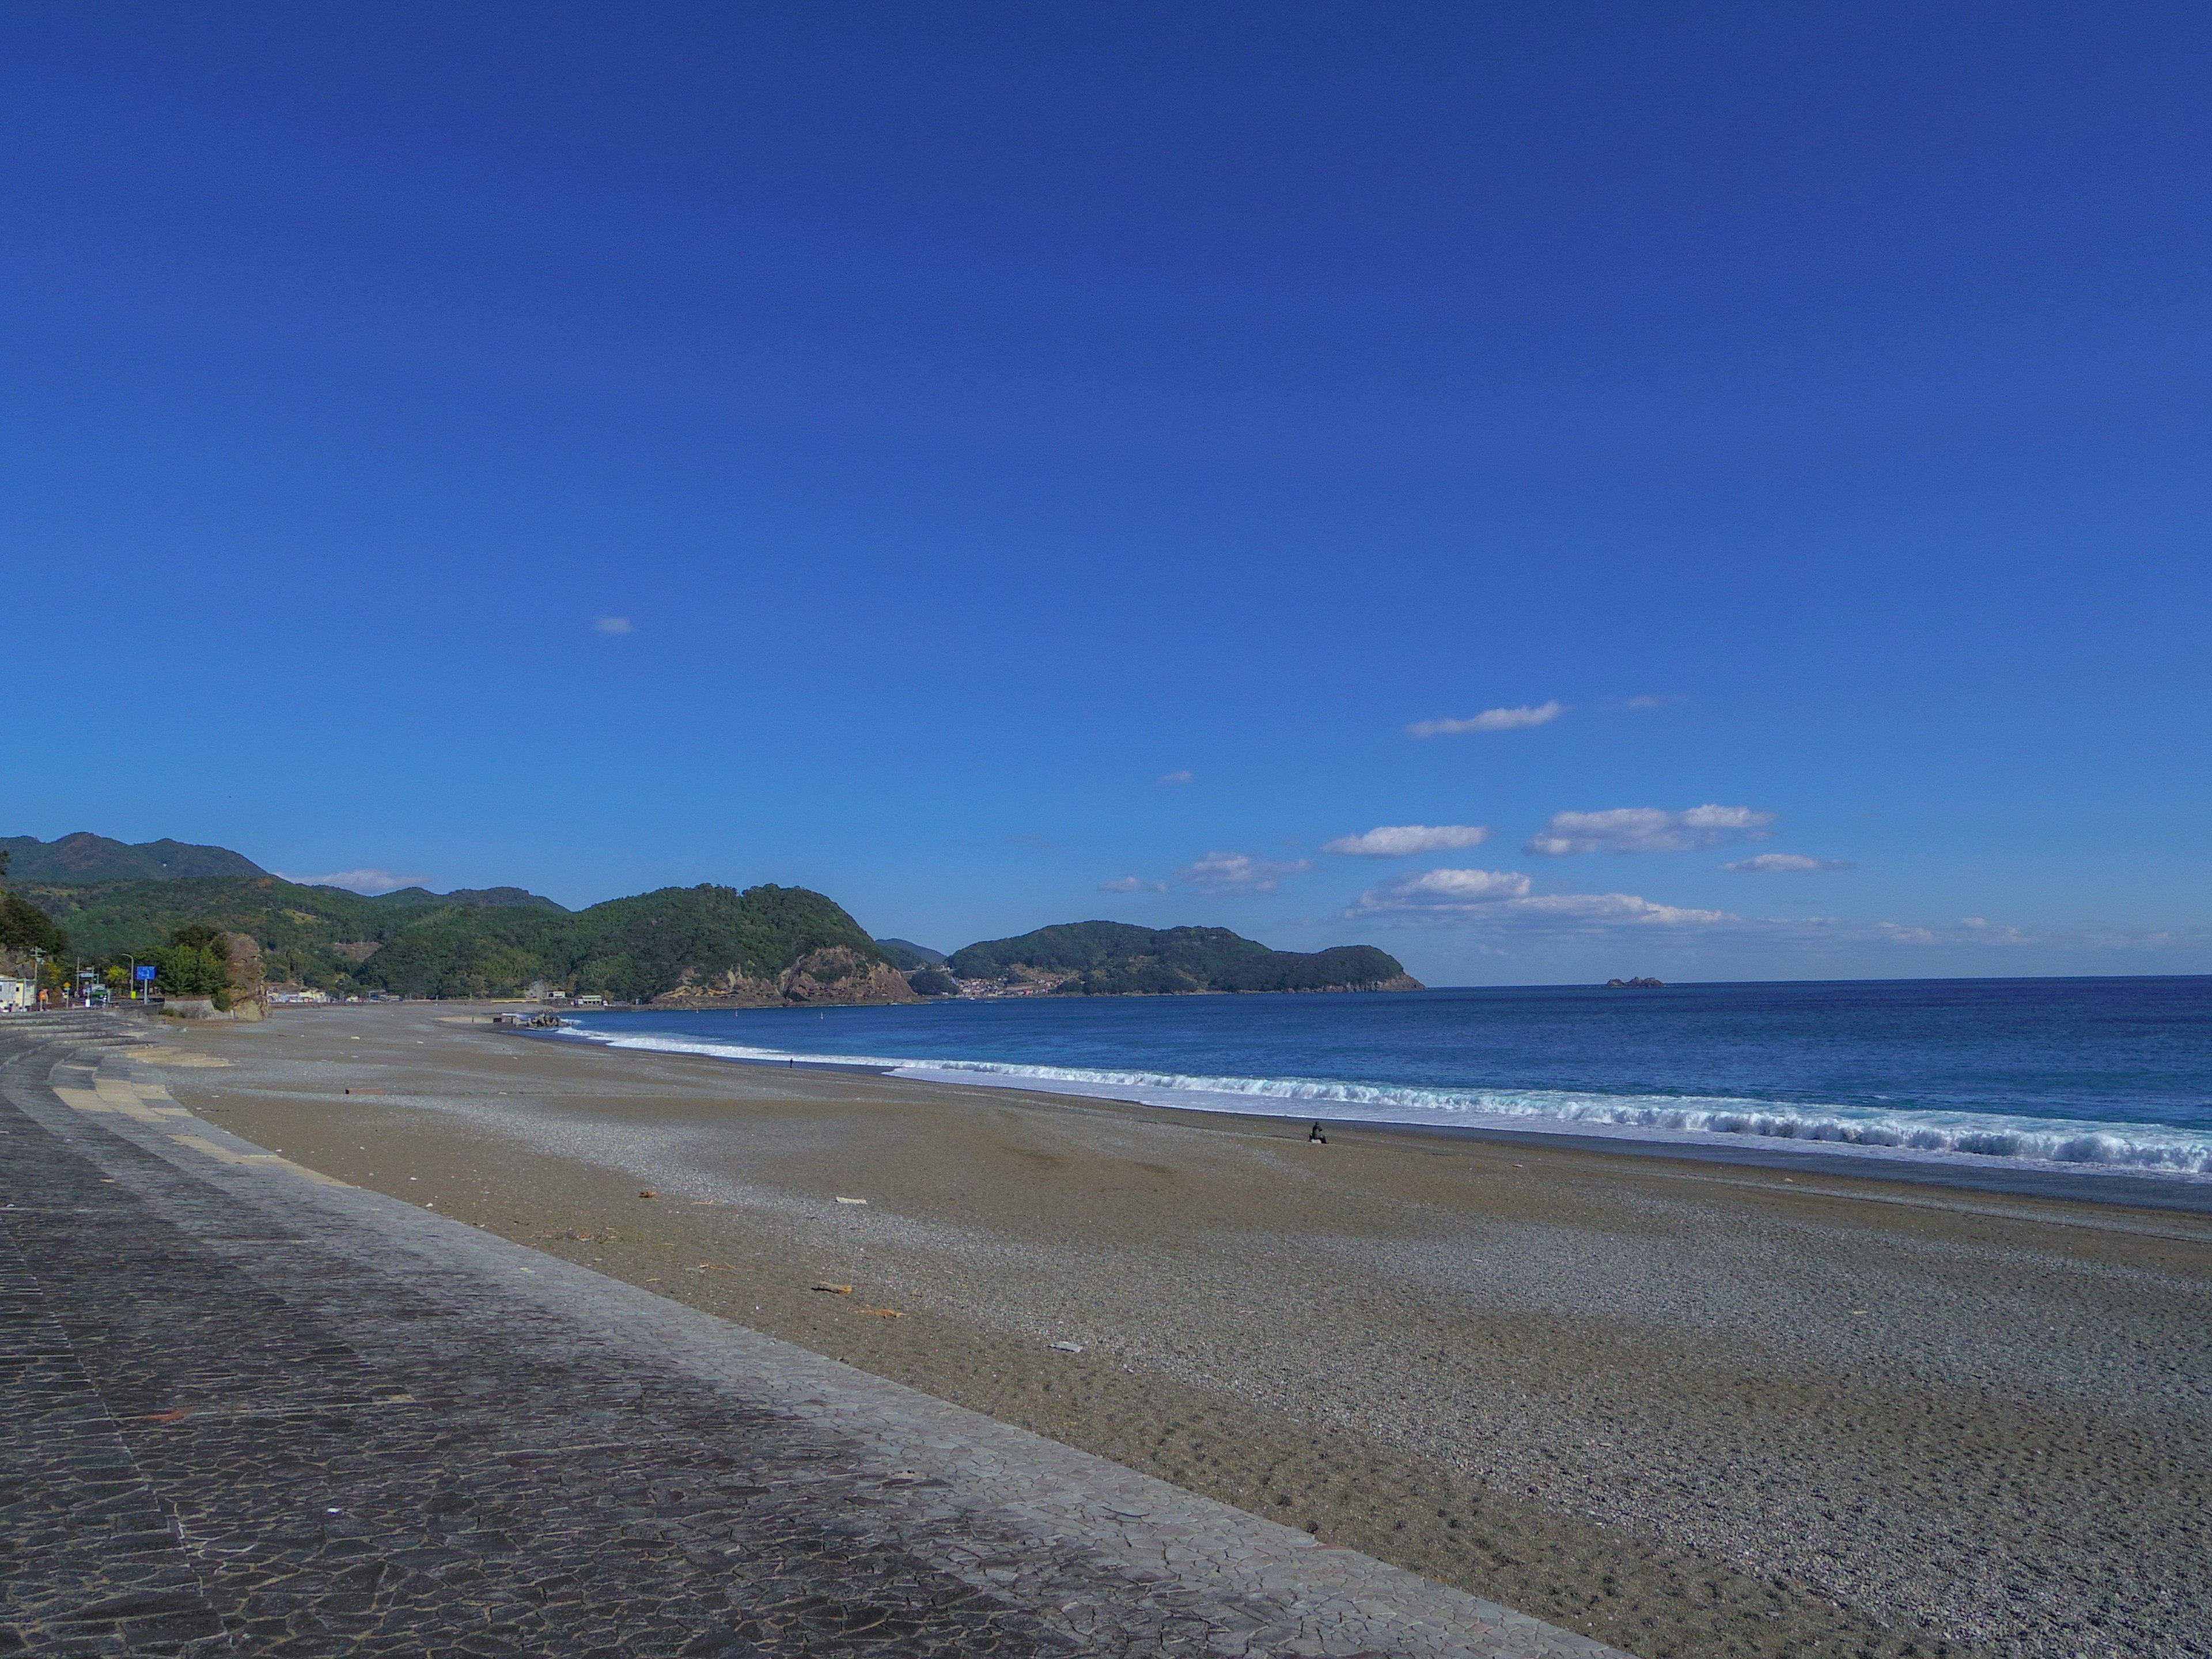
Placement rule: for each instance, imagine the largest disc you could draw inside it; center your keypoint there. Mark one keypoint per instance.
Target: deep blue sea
(2116, 1072)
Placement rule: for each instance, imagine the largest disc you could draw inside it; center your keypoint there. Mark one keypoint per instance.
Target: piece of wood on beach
(833, 1290)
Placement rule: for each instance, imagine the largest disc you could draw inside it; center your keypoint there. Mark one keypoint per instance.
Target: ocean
(2114, 1074)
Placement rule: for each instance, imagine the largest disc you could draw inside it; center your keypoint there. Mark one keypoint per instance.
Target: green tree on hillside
(194, 963)
(24, 927)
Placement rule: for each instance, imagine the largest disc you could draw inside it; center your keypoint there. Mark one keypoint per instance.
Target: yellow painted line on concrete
(121, 1097)
(81, 1100)
(264, 1160)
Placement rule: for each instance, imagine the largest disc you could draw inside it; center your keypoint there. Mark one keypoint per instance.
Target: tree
(195, 964)
(24, 927)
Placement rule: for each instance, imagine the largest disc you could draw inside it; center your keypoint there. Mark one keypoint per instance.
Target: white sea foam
(1976, 1137)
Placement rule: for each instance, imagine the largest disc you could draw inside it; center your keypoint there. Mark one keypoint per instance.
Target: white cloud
(1167, 778)
(1645, 830)
(1235, 872)
(1448, 889)
(1491, 720)
(1642, 703)
(359, 881)
(1398, 841)
(612, 624)
(1781, 863)
(1133, 885)
(1501, 897)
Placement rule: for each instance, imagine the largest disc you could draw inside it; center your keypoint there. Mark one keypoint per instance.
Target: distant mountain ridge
(703, 946)
(906, 955)
(84, 859)
(766, 946)
(482, 898)
(1114, 959)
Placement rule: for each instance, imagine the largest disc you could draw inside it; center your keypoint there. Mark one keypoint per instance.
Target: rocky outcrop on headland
(840, 974)
(835, 975)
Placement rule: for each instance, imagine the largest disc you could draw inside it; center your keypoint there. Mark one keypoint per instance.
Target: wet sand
(1690, 1409)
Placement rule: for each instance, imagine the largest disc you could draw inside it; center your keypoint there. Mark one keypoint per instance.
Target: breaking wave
(1874, 1130)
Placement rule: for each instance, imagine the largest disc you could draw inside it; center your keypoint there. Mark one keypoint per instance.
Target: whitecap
(1872, 1130)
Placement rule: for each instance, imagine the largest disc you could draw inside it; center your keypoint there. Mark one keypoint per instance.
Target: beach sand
(1688, 1408)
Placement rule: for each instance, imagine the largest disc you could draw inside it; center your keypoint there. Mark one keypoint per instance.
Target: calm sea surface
(2109, 1072)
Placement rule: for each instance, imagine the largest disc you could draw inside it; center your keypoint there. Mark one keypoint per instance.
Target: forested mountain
(1105, 958)
(906, 955)
(703, 946)
(85, 857)
(710, 945)
(482, 898)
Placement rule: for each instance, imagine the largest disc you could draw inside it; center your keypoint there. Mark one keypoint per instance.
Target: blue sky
(1001, 465)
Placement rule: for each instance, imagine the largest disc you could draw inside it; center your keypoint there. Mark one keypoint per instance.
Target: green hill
(706, 945)
(86, 857)
(1112, 958)
(482, 898)
(906, 955)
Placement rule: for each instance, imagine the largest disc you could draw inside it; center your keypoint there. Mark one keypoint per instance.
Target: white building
(16, 995)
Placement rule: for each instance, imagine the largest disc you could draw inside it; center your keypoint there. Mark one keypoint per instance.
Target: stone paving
(251, 1410)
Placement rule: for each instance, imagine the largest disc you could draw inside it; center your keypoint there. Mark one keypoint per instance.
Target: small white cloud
(1235, 872)
(1133, 885)
(1398, 841)
(1642, 703)
(358, 881)
(1645, 830)
(1448, 890)
(612, 624)
(1501, 897)
(1781, 863)
(1167, 778)
(1619, 907)
(1491, 720)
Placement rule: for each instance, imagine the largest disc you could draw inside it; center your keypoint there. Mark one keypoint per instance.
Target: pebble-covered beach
(1686, 1408)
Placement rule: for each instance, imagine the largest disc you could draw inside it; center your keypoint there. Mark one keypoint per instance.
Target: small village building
(15, 996)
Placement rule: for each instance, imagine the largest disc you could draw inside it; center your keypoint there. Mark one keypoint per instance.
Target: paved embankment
(253, 1409)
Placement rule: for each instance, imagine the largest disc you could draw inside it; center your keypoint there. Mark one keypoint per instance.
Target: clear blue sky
(958, 457)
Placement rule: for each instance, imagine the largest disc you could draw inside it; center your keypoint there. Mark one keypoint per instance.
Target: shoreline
(1684, 1407)
(2084, 1181)
(2121, 1189)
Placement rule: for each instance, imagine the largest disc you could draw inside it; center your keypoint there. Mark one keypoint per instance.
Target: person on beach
(1315, 1137)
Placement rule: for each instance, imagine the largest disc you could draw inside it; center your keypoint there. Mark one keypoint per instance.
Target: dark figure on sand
(1315, 1137)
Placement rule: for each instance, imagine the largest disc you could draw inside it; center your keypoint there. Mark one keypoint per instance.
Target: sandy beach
(1689, 1408)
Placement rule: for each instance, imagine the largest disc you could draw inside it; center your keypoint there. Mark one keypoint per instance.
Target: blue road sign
(147, 970)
